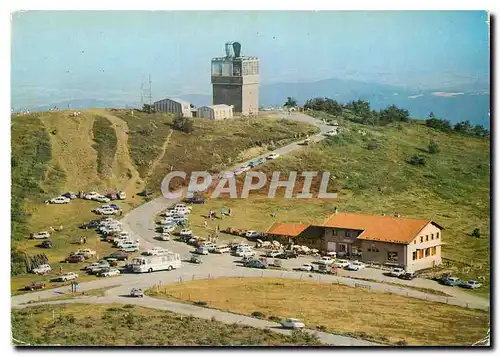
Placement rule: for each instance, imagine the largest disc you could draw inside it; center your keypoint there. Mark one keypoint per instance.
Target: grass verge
(128, 325)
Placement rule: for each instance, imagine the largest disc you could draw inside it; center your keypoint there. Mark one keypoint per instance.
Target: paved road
(140, 223)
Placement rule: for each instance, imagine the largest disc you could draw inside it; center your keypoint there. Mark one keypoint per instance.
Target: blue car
(452, 281)
(114, 206)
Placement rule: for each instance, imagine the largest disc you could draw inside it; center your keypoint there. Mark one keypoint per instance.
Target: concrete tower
(235, 80)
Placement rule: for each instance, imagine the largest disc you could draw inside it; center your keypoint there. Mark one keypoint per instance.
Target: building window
(427, 252)
(373, 248)
(414, 255)
(347, 234)
(334, 232)
(433, 251)
(437, 235)
(420, 254)
(392, 256)
(432, 236)
(421, 239)
(426, 237)
(414, 242)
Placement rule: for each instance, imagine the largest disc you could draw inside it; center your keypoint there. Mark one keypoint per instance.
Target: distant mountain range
(455, 104)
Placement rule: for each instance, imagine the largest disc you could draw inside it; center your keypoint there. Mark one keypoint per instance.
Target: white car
(91, 195)
(59, 200)
(168, 228)
(186, 232)
(68, 276)
(102, 199)
(326, 260)
(127, 243)
(42, 269)
(306, 267)
(157, 251)
(245, 253)
(332, 133)
(341, 263)
(40, 235)
(273, 253)
(251, 234)
(291, 323)
(106, 211)
(222, 249)
(86, 251)
(110, 272)
(273, 156)
(356, 266)
(396, 272)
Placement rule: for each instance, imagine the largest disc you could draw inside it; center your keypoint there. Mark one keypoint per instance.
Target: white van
(168, 262)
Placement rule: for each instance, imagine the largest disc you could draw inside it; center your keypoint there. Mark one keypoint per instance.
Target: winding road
(140, 223)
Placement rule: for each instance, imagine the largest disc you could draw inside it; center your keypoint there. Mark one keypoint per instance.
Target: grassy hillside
(213, 145)
(105, 145)
(129, 325)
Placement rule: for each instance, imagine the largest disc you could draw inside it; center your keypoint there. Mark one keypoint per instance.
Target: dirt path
(160, 156)
(123, 169)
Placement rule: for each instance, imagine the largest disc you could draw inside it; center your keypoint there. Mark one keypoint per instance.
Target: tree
(433, 147)
(150, 109)
(290, 103)
(181, 123)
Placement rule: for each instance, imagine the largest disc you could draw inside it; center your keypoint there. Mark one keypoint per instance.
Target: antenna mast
(149, 92)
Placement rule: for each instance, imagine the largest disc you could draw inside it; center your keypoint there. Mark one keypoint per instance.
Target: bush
(258, 314)
(321, 327)
(476, 233)
(201, 303)
(433, 147)
(416, 160)
(139, 342)
(128, 306)
(402, 343)
(275, 318)
(372, 145)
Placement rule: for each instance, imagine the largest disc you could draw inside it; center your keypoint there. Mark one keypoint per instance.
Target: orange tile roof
(287, 229)
(379, 228)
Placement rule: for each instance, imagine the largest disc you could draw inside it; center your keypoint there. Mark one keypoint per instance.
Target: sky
(64, 55)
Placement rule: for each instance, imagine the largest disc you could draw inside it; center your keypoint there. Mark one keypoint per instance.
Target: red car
(75, 259)
(35, 285)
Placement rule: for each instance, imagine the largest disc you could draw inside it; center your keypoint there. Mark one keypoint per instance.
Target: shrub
(416, 160)
(139, 342)
(201, 303)
(321, 327)
(274, 318)
(128, 306)
(402, 343)
(476, 233)
(113, 309)
(433, 147)
(258, 314)
(372, 145)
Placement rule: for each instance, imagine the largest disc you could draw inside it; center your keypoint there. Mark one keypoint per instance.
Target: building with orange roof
(413, 244)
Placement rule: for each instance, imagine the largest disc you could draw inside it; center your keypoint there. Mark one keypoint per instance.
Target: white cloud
(446, 95)
(415, 96)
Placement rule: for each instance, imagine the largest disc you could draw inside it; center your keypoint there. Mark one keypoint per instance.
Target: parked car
(86, 251)
(92, 224)
(222, 249)
(67, 277)
(186, 232)
(195, 200)
(341, 263)
(238, 171)
(273, 253)
(291, 323)
(40, 235)
(130, 248)
(91, 195)
(245, 253)
(273, 156)
(35, 286)
(255, 264)
(105, 211)
(210, 246)
(137, 292)
(332, 133)
(408, 276)
(356, 266)
(452, 281)
(69, 195)
(397, 272)
(122, 195)
(306, 267)
(114, 206)
(286, 255)
(306, 142)
(156, 251)
(108, 272)
(471, 285)
(42, 269)
(102, 199)
(168, 228)
(202, 250)
(326, 260)
(252, 234)
(46, 244)
(195, 259)
(59, 200)
(119, 255)
(74, 259)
